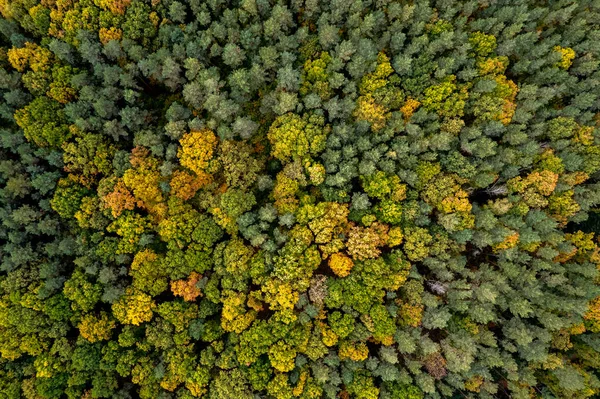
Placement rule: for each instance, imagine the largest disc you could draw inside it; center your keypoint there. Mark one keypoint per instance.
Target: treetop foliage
(233, 199)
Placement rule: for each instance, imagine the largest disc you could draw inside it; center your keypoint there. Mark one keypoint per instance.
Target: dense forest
(243, 199)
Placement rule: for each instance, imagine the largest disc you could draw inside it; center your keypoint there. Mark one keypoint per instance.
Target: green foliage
(67, 198)
(282, 199)
(297, 137)
(43, 122)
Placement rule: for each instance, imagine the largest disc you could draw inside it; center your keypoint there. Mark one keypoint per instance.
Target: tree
(320, 200)
(187, 288)
(134, 307)
(81, 292)
(296, 137)
(43, 122)
(96, 328)
(196, 151)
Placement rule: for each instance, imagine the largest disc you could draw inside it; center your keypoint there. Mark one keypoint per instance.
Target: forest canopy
(239, 199)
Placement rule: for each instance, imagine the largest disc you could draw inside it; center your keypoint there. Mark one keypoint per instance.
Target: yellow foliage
(363, 243)
(409, 108)
(197, 148)
(96, 329)
(297, 138)
(45, 366)
(328, 221)
(112, 33)
(474, 383)
(505, 88)
(279, 295)
(562, 206)
(284, 193)
(282, 357)
(31, 300)
(32, 345)
(145, 256)
(410, 314)
(235, 316)
(492, 65)
(88, 212)
(37, 58)
(508, 90)
(297, 391)
(459, 202)
(547, 160)
(544, 182)
(508, 242)
(154, 18)
(315, 77)
(340, 264)
(134, 307)
(583, 241)
(395, 236)
(254, 301)
(354, 351)
(378, 79)
(592, 316)
(316, 173)
(577, 329)
(223, 219)
(329, 338)
(482, 44)
(184, 185)
(469, 325)
(584, 135)
(368, 110)
(371, 86)
(114, 6)
(531, 246)
(169, 383)
(130, 227)
(144, 180)
(567, 55)
(575, 178)
(535, 187)
(446, 98)
(196, 389)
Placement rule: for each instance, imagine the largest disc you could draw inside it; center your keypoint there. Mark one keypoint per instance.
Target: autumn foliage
(338, 199)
